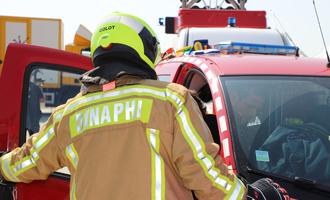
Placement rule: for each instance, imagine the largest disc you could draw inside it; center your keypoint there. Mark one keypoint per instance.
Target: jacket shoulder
(174, 87)
(179, 89)
(60, 107)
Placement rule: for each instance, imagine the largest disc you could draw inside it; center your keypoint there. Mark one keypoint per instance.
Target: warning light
(238, 47)
(231, 22)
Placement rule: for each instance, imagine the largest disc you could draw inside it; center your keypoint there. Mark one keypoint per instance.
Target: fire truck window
(47, 89)
(281, 124)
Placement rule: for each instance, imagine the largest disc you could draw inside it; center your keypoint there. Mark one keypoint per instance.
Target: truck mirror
(161, 21)
(170, 25)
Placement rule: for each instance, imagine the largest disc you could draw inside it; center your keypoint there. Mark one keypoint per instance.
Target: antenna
(286, 33)
(325, 46)
(282, 27)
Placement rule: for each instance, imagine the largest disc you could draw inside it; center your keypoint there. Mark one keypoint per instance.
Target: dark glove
(266, 189)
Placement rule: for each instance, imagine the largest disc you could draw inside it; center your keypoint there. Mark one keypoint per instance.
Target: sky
(296, 17)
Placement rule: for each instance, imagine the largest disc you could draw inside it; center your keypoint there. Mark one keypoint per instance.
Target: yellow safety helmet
(125, 36)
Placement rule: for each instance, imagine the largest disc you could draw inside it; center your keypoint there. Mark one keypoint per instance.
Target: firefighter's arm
(36, 159)
(197, 158)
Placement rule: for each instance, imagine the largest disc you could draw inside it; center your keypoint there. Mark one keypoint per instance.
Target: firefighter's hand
(266, 189)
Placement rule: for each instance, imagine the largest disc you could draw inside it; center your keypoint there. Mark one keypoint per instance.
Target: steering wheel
(294, 151)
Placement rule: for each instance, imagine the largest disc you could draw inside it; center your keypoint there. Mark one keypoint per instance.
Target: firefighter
(127, 135)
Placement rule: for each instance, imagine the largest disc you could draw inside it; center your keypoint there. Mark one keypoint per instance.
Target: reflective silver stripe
(137, 26)
(6, 168)
(153, 138)
(198, 150)
(158, 179)
(200, 154)
(222, 182)
(72, 155)
(158, 192)
(174, 97)
(112, 94)
(44, 139)
(24, 165)
(237, 193)
(58, 115)
(35, 156)
(128, 21)
(30, 161)
(158, 167)
(194, 140)
(73, 192)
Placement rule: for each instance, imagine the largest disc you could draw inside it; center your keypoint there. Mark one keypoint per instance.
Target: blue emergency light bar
(206, 51)
(238, 47)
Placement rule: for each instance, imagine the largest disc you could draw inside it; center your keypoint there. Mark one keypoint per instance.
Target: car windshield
(281, 124)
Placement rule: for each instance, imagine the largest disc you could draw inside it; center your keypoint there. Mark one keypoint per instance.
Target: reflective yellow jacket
(143, 140)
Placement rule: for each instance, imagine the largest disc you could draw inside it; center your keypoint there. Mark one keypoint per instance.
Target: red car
(285, 135)
(269, 113)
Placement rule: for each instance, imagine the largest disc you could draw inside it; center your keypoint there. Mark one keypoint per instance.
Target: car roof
(251, 64)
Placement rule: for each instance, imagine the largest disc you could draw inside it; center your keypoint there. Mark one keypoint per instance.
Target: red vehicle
(295, 106)
(20, 65)
(266, 106)
(267, 112)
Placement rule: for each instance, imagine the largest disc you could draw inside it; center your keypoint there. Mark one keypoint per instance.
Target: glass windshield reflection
(282, 124)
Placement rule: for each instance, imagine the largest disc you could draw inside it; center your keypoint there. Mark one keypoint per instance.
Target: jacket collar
(119, 82)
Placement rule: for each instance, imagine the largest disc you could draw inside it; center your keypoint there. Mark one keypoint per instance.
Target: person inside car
(246, 106)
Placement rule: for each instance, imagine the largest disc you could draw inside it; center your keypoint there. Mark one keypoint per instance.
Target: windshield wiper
(304, 182)
(310, 184)
(255, 171)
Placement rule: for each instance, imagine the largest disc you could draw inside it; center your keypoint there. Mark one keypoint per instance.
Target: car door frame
(18, 63)
(212, 73)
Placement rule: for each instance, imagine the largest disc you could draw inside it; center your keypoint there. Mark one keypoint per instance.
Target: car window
(164, 77)
(282, 124)
(47, 89)
(197, 82)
